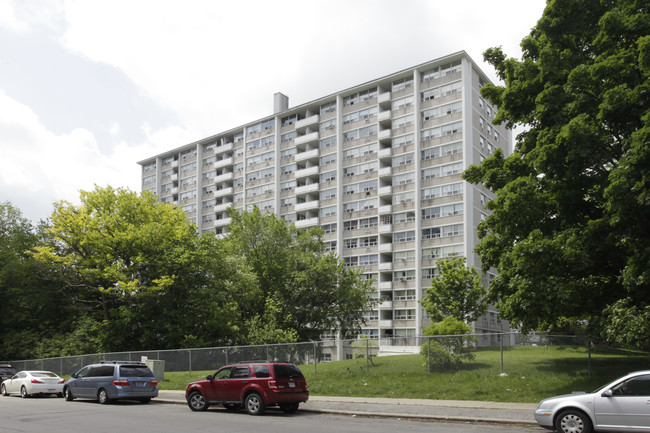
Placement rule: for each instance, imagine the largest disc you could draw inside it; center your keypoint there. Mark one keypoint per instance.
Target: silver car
(622, 405)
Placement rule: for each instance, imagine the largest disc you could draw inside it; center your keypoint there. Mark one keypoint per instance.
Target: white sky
(88, 88)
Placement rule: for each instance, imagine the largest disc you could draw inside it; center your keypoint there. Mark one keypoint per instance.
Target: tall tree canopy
(142, 276)
(569, 230)
(311, 289)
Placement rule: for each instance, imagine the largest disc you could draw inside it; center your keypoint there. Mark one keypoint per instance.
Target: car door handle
(245, 382)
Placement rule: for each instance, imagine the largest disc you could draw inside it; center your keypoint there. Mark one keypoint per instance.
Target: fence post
(315, 358)
(428, 354)
(589, 362)
(367, 355)
(501, 345)
(189, 355)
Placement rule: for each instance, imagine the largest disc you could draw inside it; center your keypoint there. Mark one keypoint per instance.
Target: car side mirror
(607, 393)
(209, 377)
(73, 375)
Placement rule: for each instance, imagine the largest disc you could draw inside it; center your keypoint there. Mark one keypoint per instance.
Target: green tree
(568, 231)
(32, 306)
(140, 271)
(455, 291)
(315, 292)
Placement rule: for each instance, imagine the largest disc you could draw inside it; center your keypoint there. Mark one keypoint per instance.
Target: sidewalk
(440, 410)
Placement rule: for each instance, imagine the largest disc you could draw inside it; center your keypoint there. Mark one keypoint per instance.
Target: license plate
(292, 385)
(51, 389)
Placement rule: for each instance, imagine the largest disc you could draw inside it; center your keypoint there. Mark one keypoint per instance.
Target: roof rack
(254, 361)
(122, 362)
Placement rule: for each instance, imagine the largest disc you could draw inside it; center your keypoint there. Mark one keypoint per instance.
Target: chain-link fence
(310, 353)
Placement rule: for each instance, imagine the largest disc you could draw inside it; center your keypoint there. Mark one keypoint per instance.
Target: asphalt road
(36, 415)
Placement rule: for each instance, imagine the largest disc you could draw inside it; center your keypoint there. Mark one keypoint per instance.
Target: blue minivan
(112, 380)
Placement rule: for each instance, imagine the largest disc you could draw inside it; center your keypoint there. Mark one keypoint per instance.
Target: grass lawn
(533, 373)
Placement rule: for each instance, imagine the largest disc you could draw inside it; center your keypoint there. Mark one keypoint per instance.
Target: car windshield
(284, 371)
(7, 370)
(135, 371)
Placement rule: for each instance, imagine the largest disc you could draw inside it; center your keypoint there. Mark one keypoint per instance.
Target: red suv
(254, 385)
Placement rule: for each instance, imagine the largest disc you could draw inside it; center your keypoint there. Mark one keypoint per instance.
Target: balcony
(223, 177)
(385, 209)
(385, 190)
(310, 154)
(308, 121)
(385, 171)
(307, 138)
(222, 192)
(222, 222)
(384, 115)
(386, 304)
(308, 205)
(385, 266)
(385, 248)
(385, 323)
(304, 189)
(223, 163)
(309, 222)
(222, 207)
(385, 134)
(385, 153)
(306, 172)
(386, 285)
(384, 97)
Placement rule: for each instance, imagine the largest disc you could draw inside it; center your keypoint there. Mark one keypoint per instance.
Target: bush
(450, 347)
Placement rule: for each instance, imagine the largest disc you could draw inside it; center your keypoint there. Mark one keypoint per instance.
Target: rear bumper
(288, 397)
(124, 393)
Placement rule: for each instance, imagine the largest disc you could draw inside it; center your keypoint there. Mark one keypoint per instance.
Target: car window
(636, 386)
(135, 371)
(224, 373)
(261, 370)
(83, 372)
(20, 375)
(101, 371)
(287, 371)
(240, 372)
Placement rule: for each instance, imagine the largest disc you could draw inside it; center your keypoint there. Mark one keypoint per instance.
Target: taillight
(121, 382)
(36, 381)
(62, 381)
(153, 383)
(273, 384)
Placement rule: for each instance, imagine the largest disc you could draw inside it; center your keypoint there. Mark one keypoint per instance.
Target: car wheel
(254, 404)
(102, 396)
(196, 402)
(289, 407)
(59, 395)
(23, 392)
(573, 421)
(232, 406)
(3, 390)
(67, 393)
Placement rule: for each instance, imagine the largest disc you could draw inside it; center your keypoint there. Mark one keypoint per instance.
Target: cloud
(39, 167)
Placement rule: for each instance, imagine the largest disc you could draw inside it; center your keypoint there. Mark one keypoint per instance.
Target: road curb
(418, 417)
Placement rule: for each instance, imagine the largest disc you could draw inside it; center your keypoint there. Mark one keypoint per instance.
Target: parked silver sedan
(28, 383)
(622, 405)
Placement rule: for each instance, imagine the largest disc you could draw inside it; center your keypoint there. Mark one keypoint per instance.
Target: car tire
(289, 407)
(254, 404)
(23, 392)
(197, 402)
(67, 394)
(59, 395)
(3, 390)
(573, 421)
(102, 396)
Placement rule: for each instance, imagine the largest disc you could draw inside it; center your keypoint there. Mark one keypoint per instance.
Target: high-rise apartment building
(377, 166)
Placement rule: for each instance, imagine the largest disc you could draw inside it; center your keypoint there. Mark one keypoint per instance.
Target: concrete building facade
(377, 166)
